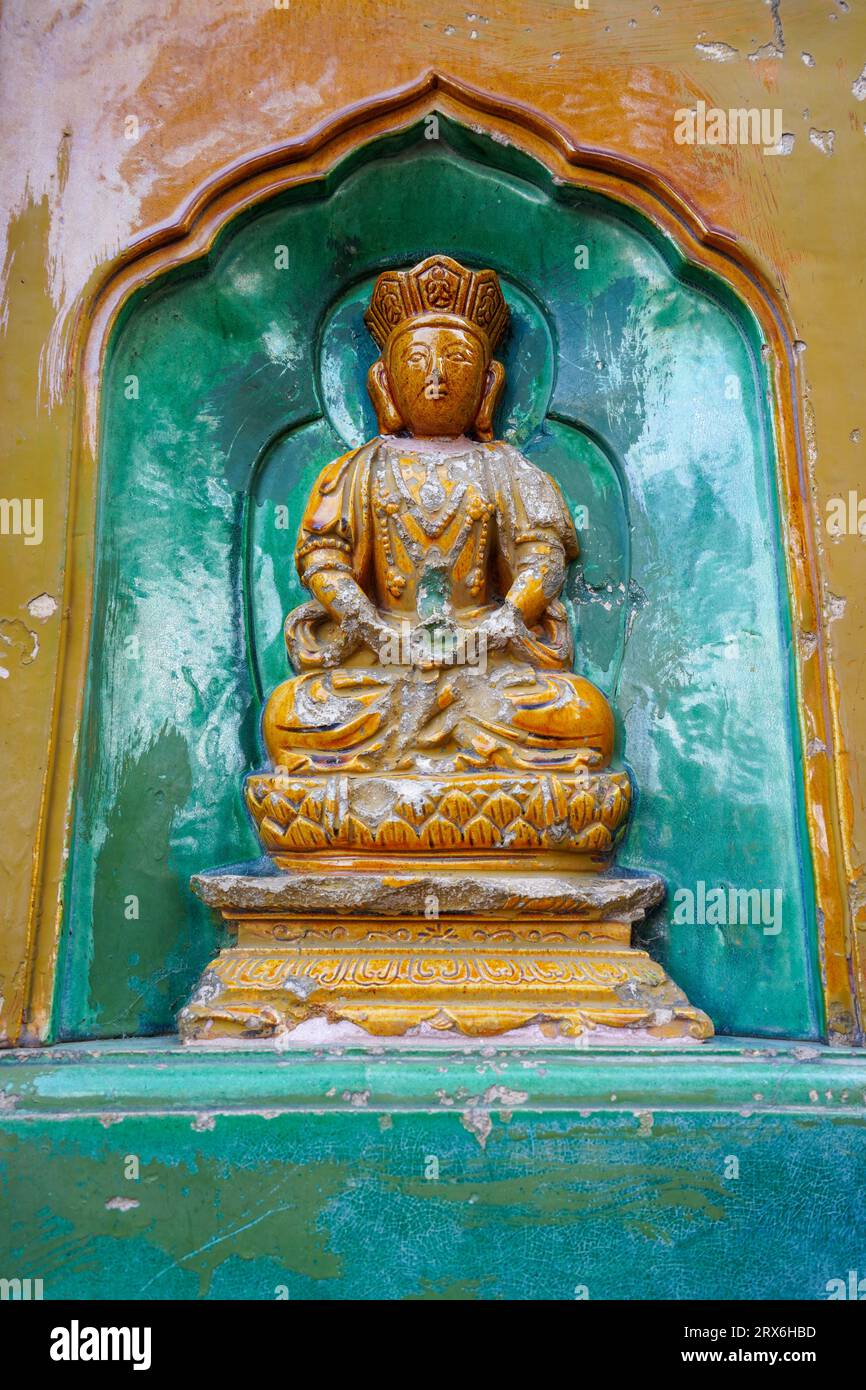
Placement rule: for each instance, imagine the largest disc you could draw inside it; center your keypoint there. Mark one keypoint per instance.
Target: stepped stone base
(393, 950)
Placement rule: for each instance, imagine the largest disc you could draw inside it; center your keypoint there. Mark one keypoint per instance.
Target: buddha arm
(538, 578)
(342, 597)
(537, 539)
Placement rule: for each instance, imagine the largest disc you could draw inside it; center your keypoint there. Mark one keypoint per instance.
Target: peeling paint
(479, 1123)
(43, 606)
(122, 1204)
(716, 52)
(785, 145)
(823, 140)
(766, 51)
(19, 645)
(358, 1099)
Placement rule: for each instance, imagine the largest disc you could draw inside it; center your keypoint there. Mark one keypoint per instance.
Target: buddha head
(437, 326)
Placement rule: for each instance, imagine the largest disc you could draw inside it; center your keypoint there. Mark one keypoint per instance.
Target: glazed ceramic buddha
(439, 817)
(436, 641)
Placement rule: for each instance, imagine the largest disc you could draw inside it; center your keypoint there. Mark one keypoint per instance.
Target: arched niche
(636, 378)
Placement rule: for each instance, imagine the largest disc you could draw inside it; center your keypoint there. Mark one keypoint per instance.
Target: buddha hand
(435, 642)
(503, 627)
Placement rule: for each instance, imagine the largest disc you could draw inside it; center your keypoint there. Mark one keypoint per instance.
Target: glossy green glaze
(635, 381)
(146, 1171)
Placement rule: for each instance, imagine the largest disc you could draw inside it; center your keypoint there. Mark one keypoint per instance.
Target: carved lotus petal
(415, 809)
(271, 834)
(277, 808)
(357, 833)
(293, 791)
(502, 809)
(581, 810)
(397, 833)
(614, 807)
(547, 804)
(304, 834)
(594, 837)
(521, 835)
(457, 807)
(481, 833)
(440, 834)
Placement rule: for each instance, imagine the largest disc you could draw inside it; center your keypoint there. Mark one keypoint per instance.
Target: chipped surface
(43, 606)
(407, 892)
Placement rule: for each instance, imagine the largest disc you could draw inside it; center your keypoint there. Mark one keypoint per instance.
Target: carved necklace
(431, 492)
(479, 512)
(417, 554)
(432, 496)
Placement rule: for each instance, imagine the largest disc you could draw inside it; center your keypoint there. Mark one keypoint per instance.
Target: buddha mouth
(435, 391)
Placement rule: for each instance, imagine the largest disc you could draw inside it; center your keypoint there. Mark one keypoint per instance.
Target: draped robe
(436, 537)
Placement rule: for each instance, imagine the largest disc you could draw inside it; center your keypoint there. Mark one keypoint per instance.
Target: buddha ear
(379, 388)
(489, 401)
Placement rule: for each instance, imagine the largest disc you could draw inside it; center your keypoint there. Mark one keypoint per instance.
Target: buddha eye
(417, 356)
(460, 355)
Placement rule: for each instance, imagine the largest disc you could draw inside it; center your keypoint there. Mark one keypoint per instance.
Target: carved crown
(438, 285)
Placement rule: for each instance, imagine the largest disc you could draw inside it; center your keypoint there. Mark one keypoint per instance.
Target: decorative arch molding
(635, 186)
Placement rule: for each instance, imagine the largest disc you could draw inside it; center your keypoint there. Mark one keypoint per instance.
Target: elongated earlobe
(379, 389)
(489, 401)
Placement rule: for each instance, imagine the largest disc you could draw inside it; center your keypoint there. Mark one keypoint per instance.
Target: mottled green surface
(655, 419)
(430, 1175)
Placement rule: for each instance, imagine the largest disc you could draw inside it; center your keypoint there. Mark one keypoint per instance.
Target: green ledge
(145, 1170)
(161, 1075)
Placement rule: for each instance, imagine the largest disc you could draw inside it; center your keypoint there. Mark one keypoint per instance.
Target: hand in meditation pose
(436, 641)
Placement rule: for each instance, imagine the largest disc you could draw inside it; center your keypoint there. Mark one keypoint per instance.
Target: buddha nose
(435, 387)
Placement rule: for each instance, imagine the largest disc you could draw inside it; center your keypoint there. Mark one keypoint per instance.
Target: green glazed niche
(634, 378)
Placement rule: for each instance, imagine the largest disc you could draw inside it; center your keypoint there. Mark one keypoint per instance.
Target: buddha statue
(439, 813)
(435, 555)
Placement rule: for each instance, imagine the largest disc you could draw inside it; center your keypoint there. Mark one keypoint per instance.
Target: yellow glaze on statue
(436, 640)
(441, 801)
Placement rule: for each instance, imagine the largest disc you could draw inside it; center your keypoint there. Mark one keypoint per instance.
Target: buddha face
(437, 375)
